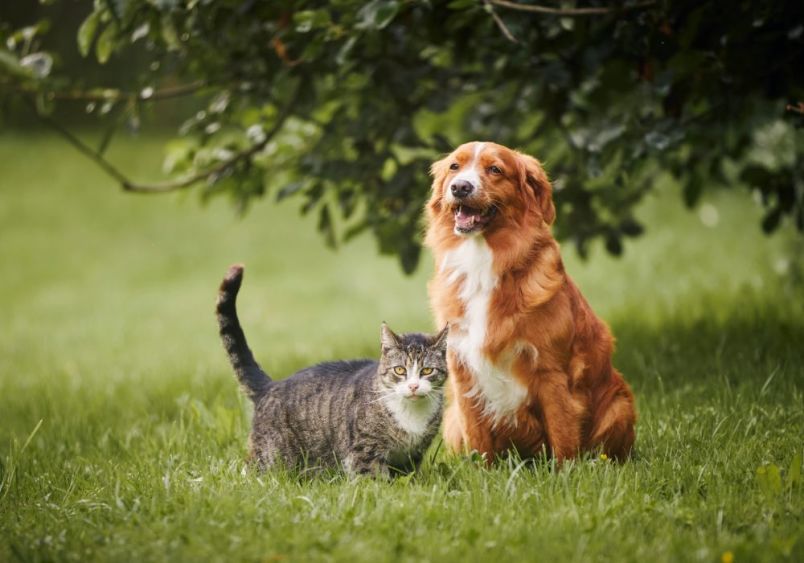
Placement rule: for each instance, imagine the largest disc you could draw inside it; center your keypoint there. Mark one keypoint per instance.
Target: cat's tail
(251, 376)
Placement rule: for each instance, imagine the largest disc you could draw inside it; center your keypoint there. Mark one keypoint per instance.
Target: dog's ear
(438, 171)
(535, 178)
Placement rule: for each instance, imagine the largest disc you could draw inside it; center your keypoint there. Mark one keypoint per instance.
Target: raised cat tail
(251, 376)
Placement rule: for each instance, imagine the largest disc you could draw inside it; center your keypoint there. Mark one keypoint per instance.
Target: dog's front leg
(454, 435)
(563, 414)
(466, 427)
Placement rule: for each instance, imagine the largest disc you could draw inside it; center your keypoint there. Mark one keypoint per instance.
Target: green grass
(107, 337)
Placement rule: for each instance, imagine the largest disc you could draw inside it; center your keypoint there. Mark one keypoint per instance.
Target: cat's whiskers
(383, 396)
(434, 398)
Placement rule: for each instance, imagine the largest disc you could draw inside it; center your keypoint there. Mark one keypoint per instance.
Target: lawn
(123, 433)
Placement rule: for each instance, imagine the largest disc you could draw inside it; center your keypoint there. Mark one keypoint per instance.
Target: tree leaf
(44, 104)
(119, 8)
(290, 189)
(631, 227)
(657, 140)
(756, 176)
(169, 34)
(343, 53)
(354, 230)
(86, 33)
(326, 227)
(614, 244)
(409, 257)
(307, 20)
(178, 156)
(39, 64)
(11, 64)
(693, 188)
(105, 44)
(313, 196)
(771, 220)
(377, 14)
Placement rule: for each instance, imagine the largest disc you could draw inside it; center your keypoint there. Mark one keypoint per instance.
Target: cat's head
(413, 366)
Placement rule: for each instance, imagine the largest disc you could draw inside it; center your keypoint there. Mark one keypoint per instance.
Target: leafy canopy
(344, 104)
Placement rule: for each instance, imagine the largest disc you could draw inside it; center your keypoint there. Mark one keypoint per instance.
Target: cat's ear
(440, 339)
(389, 339)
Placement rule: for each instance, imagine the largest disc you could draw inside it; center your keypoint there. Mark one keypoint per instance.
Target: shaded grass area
(108, 339)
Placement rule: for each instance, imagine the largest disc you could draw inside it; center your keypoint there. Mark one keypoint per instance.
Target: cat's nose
(413, 387)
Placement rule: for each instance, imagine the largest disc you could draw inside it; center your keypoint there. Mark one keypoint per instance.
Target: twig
(535, 8)
(796, 108)
(171, 185)
(82, 147)
(500, 23)
(113, 95)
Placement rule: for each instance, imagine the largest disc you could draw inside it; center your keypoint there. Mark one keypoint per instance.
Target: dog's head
(482, 187)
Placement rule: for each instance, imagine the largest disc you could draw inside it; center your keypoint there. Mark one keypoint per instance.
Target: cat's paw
(356, 468)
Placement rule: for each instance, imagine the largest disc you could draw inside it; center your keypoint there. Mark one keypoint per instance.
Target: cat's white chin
(413, 413)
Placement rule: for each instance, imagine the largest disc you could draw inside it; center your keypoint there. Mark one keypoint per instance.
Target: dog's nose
(461, 188)
(413, 387)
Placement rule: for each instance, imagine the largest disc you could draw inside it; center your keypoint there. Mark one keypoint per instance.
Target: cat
(363, 416)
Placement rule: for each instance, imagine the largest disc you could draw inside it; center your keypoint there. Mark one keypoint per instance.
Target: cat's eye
(426, 371)
(399, 370)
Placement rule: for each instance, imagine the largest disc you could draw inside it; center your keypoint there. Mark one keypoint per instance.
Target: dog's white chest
(495, 388)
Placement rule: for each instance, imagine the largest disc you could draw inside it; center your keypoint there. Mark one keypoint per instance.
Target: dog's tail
(251, 376)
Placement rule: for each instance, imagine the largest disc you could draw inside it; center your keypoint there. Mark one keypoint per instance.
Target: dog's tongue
(466, 216)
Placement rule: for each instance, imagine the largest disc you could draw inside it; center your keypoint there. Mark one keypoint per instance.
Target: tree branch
(113, 95)
(82, 147)
(178, 183)
(538, 9)
(500, 23)
(796, 108)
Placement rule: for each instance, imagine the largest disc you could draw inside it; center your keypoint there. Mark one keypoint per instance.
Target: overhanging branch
(178, 183)
(500, 23)
(115, 95)
(571, 12)
(796, 108)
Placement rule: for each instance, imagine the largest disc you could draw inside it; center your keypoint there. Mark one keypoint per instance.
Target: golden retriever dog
(530, 363)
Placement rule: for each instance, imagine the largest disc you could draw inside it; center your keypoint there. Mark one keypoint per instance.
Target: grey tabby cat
(365, 416)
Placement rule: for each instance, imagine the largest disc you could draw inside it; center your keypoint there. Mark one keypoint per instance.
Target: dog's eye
(454, 166)
(426, 371)
(495, 170)
(399, 370)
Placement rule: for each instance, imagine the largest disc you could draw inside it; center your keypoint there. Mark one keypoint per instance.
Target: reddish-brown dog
(530, 363)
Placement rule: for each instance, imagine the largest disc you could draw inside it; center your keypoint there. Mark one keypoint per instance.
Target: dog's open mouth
(471, 219)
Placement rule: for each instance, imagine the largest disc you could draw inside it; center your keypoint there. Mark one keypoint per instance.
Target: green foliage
(366, 95)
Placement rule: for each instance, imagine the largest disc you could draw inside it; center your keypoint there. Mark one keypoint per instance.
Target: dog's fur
(530, 363)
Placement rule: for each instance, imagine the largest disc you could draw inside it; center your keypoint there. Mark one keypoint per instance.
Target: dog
(529, 362)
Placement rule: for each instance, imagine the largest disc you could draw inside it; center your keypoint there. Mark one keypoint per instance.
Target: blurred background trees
(343, 105)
